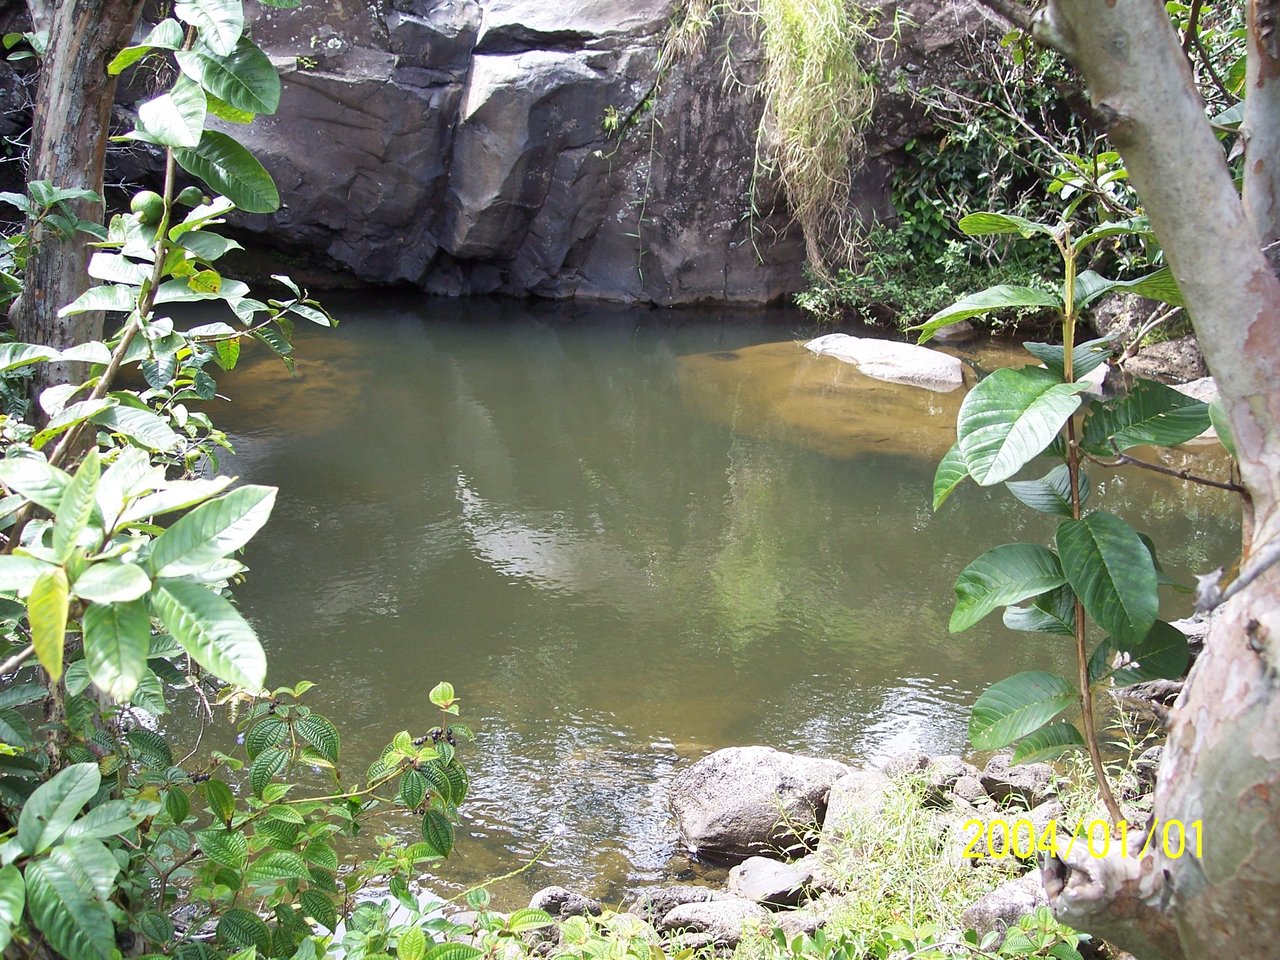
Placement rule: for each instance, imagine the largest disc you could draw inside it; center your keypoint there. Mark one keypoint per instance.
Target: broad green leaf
(1154, 286)
(182, 291)
(437, 832)
(270, 731)
(442, 695)
(14, 355)
(1051, 493)
(47, 614)
(116, 638)
(1001, 576)
(244, 928)
(112, 582)
(1163, 654)
(54, 805)
(1133, 227)
(111, 297)
(1111, 571)
(230, 169)
(453, 951)
(278, 865)
(212, 531)
(1150, 413)
(212, 631)
(1000, 297)
(413, 789)
(412, 945)
(1009, 418)
(321, 734)
(224, 111)
(207, 246)
(1085, 358)
(13, 897)
(176, 495)
(143, 426)
(269, 764)
(90, 862)
(74, 922)
(116, 268)
(1222, 426)
(35, 479)
(987, 223)
(319, 907)
(1052, 612)
(220, 22)
(227, 847)
(1047, 743)
(19, 574)
(950, 474)
(245, 80)
(176, 118)
(1016, 706)
(69, 417)
(110, 819)
(228, 353)
(77, 505)
(166, 35)
(522, 921)
(92, 351)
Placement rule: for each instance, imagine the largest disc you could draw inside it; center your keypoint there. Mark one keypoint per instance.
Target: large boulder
(743, 801)
(892, 361)
(1169, 361)
(721, 922)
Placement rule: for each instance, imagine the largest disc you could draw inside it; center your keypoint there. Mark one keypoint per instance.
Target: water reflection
(624, 553)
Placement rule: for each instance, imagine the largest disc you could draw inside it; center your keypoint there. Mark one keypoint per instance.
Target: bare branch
(1012, 12)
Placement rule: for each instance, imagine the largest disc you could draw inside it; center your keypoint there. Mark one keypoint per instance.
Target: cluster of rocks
(762, 809)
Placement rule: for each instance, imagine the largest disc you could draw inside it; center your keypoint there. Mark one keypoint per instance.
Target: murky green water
(620, 559)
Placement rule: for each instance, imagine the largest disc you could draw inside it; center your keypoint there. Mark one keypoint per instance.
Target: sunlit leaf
(1112, 572)
(1016, 706)
(1001, 576)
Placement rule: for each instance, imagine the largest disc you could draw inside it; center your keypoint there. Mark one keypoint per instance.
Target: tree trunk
(68, 148)
(1221, 766)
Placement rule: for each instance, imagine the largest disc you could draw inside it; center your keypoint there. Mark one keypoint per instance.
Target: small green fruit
(191, 197)
(149, 206)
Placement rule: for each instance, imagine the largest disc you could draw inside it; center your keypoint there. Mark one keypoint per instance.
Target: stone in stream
(561, 902)
(892, 361)
(655, 903)
(769, 881)
(743, 801)
(1026, 785)
(721, 921)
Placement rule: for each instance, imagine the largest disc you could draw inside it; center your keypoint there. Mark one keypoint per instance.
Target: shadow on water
(628, 537)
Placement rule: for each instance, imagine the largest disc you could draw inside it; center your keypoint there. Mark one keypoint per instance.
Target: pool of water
(628, 537)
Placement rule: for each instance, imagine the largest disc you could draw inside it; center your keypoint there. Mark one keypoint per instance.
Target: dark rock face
(460, 146)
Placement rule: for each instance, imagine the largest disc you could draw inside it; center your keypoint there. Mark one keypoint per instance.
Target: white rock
(1206, 391)
(892, 361)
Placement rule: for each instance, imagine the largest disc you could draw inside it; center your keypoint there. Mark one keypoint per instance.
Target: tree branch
(1012, 12)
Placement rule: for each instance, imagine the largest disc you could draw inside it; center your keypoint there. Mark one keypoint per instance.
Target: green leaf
(14, 355)
(13, 897)
(228, 353)
(111, 297)
(950, 474)
(116, 638)
(112, 582)
(442, 695)
(220, 22)
(142, 426)
(245, 80)
(155, 926)
(75, 924)
(239, 927)
(1009, 418)
(1085, 358)
(19, 574)
(1150, 413)
(230, 169)
(174, 119)
(413, 789)
(227, 847)
(437, 832)
(1222, 426)
(1112, 572)
(1003, 575)
(152, 748)
(1163, 654)
(270, 731)
(47, 615)
(51, 808)
(268, 764)
(522, 921)
(988, 222)
(1052, 612)
(320, 854)
(1133, 227)
(1051, 493)
(212, 631)
(212, 531)
(1047, 743)
(278, 865)
(76, 507)
(35, 479)
(1017, 706)
(412, 945)
(110, 819)
(207, 246)
(453, 951)
(166, 35)
(1154, 286)
(319, 907)
(999, 297)
(321, 734)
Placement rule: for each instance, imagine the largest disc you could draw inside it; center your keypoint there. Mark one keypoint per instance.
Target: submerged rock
(893, 362)
(743, 801)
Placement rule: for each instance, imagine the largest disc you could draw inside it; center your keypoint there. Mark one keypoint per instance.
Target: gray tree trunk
(1221, 766)
(68, 148)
